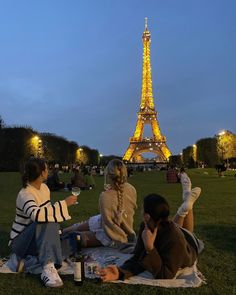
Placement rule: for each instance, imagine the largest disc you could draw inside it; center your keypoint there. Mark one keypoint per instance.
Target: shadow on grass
(221, 236)
(4, 239)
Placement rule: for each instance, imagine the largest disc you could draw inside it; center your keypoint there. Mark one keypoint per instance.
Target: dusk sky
(74, 68)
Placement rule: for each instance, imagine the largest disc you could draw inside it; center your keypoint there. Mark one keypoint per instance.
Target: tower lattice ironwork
(147, 115)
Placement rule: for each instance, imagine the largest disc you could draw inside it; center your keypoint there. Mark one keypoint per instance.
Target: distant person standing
(221, 168)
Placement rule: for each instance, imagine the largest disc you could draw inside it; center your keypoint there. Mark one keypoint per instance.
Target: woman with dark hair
(35, 230)
(163, 246)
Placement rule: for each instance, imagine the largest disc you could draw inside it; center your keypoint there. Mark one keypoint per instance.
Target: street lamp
(37, 146)
(224, 145)
(221, 133)
(195, 153)
(79, 156)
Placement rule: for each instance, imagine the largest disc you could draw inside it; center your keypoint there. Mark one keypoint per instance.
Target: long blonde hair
(116, 173)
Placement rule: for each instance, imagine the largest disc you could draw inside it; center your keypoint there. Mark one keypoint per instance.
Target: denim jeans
(44, 241)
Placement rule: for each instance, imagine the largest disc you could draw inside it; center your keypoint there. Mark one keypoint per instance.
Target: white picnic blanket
(187, 277)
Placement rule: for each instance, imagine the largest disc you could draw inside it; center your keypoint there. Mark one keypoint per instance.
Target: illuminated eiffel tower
(147, 115)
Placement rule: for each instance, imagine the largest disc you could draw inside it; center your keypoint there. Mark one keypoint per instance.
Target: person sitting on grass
(53, 181)
(163, 246)
(88, 179)
(114, 225)
(77, 180)
(35, 230)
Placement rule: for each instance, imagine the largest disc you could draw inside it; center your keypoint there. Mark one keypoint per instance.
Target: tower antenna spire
(146, 23)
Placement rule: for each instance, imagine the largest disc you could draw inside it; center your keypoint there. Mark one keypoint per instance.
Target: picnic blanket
(185, 278)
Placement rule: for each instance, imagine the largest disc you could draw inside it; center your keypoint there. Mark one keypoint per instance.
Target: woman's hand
(71, 200)
(149, 237)
(109, 273)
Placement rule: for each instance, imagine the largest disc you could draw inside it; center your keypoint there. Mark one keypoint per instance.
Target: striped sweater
(33, 205)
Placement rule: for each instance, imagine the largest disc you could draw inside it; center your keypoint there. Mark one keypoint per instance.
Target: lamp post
(40, 148)
(223, 145)
(220, 143)
(37, 145)
(195, 154)
(100, 158)
(79, 157)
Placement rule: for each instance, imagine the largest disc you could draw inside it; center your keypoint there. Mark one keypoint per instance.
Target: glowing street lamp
(37, 145)
(195, 152)
(221, 133)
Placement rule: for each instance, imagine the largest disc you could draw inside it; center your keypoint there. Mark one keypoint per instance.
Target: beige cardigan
(108, 203)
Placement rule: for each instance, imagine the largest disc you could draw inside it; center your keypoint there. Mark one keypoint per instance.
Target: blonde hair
(117, 174)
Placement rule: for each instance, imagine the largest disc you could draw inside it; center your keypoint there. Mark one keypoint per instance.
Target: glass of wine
(75, 192)
(107, 185)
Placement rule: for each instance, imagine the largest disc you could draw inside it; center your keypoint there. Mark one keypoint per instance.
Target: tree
(175, 160)
(87, 156)
(2, 123)
(57, 149)
(104, 160)
(207, 151)
(15, 147)
(189, 157)
(226, 145)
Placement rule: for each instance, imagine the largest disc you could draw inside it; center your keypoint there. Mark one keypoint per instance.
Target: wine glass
(75, 192)
(107, 185)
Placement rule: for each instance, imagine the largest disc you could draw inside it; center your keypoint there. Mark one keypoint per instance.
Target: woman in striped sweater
(35, 230)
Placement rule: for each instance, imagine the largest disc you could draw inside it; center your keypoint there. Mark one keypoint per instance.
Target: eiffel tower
(147, 115)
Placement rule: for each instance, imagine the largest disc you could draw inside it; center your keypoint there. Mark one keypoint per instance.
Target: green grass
(215, 224)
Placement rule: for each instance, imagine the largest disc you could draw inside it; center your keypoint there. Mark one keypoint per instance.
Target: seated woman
(163, 246)
(35, 230)
(77, 179)
(53, 181)
(88, 179)
(114, 224)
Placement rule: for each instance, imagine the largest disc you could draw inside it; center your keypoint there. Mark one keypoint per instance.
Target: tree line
(209, 152)
(18, 144)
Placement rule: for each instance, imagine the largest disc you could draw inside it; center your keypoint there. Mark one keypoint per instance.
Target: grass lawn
(215, 224)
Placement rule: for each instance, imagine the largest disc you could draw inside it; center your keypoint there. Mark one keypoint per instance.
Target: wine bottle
(79, 264)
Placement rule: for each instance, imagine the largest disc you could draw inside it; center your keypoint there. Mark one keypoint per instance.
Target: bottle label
(77, 271)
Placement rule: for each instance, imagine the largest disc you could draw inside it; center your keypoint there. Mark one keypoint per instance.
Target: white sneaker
(5, 269)
(12, 265)
(67, 268)
(50, 276)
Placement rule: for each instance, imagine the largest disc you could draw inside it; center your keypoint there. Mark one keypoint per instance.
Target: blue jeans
(44, 241)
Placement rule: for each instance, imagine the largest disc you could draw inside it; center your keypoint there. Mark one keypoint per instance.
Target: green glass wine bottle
(79, 264)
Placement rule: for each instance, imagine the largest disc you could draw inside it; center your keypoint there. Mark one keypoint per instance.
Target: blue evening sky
(74, 68)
